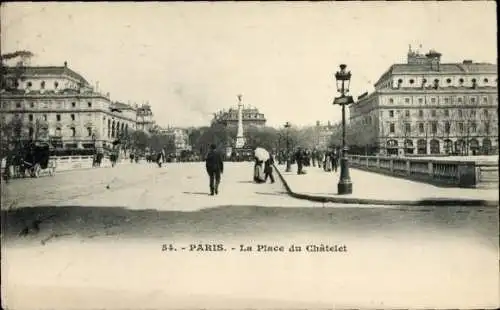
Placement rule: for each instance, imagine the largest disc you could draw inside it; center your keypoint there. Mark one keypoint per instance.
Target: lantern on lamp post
(343, 79)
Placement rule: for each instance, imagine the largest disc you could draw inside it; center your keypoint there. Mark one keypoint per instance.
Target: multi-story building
(324, 134)
(180, 137)
(145, 120)
(251, 117)
(428, 107)
(58, 103)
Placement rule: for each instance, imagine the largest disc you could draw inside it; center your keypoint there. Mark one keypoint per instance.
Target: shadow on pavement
(42, 222)
(196, 193)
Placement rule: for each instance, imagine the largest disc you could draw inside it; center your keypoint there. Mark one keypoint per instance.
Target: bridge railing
(478, 173)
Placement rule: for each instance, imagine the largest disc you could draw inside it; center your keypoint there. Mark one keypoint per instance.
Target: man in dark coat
(215, 167)
(299, 159)
(268, 169)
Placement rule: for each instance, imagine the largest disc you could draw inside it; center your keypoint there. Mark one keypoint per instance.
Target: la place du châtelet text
(262, 248)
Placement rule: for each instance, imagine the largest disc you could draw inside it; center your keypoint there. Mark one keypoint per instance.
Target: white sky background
(192, 59)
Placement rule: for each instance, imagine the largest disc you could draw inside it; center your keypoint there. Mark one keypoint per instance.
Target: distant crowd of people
(328, 159)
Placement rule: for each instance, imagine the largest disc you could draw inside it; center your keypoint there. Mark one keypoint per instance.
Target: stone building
(428, 107)
(59, 99)
(180, 137)
(251, 117)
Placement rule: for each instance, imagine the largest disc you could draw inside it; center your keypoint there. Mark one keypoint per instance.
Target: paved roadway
(102, 246)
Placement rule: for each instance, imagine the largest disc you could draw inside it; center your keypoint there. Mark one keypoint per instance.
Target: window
(436, 83)
(433, 113)
(420, 100)
(391, 113)
(391, 128)
(58, 117)
(391, 100)
(485, 99)
(18, 105)
(460, 113)
(56, 84)
(473, 113)
(42, 85)
(73, 131)
(447, 127)
(412, 81)
(433, 100)
(448, 81)
(32, 104)
(58, 131)
(473, 100)
(446, 112)
(461, 81)
(407, 100)
(73, 104)
(459, 99)
(45, 117)
(421, 127)
(89, 104)
(473, 81)
(89, 131)
(31, 132)
(446, 100)
(407, 127)
(485, 81)
(461, 127)
(29, 84)
(72, 117)
(486, 113)
(473, 127)
(424, 81)
(420, 113)
(407, 113)
(434, 127)
(30, 117)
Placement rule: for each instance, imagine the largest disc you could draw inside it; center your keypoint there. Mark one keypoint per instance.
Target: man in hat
(215, 167)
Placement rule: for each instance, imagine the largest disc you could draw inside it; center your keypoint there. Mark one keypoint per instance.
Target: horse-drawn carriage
(37, 160)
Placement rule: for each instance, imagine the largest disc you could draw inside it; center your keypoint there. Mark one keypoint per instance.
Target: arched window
(448, 81)
(56, 84)
(412, 81)
(434, 144)
(58, 131)
(73, 131)
(421, 146)
(89, 131)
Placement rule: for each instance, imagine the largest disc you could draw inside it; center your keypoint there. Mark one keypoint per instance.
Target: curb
(415, 203)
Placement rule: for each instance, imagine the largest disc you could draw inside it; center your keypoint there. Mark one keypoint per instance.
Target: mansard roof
(47, 70)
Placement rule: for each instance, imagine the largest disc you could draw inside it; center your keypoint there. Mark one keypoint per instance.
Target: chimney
(66, 64)
(467, 62)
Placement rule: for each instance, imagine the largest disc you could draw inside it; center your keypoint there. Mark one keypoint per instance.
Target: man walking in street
(268, 169)
(215, 167)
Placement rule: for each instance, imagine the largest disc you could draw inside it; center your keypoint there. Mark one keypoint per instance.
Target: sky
(191, 59)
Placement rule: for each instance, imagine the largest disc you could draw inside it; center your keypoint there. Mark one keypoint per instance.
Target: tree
(11, 131)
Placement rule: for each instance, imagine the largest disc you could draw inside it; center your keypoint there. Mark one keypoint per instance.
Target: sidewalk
(374, 188)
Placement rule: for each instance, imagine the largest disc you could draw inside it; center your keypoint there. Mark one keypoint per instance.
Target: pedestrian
(215, 167)
(268, 169)
(299, 159)
(335, 160)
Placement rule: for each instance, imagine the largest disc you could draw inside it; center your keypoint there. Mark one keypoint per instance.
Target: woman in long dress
(327, 163)
(258, 175)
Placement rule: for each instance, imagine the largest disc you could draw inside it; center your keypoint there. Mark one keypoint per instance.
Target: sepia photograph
(249, 155)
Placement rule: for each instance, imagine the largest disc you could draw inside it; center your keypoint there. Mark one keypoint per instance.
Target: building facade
(59, 104)
(429, 107)
(324, 134)
(180, 138)
(251, 117)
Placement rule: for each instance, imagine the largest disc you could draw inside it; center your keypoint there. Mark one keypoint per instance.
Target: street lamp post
(343, 79)
(288, 163)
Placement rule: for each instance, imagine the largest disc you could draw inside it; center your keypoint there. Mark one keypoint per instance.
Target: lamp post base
(344, 187)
